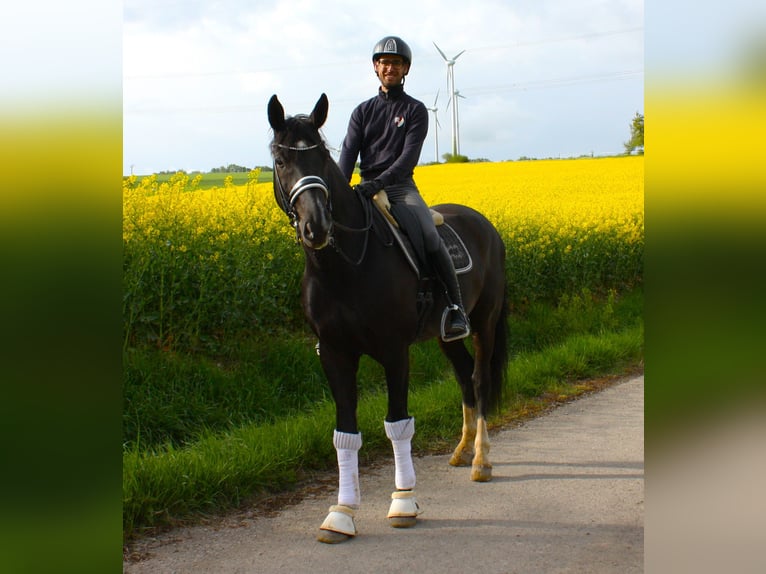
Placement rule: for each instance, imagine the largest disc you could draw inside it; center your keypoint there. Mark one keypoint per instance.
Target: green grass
(172, 397)
(218, 462)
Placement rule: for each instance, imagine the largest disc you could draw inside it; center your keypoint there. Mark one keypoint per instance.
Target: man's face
(390, 70)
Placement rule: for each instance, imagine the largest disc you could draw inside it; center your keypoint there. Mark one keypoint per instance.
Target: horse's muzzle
(315, 235)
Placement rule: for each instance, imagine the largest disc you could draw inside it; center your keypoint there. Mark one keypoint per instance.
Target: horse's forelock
(299, 128)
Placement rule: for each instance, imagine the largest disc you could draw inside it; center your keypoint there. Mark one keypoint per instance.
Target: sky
(536, 78)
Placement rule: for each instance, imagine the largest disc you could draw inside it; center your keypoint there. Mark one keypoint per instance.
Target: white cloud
(200, 73)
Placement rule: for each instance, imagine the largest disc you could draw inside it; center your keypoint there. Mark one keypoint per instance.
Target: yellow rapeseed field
(203, 263)
(558, 197)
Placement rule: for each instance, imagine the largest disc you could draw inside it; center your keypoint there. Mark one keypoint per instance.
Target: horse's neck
(351, 235)
(346, 204)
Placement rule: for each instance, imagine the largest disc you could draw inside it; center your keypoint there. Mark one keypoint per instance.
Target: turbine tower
(456, 114)
(453, 98)
(434, 109)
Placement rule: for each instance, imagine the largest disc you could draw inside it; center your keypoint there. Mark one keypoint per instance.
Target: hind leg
(481, 467)
(462, 363)
(463, 454)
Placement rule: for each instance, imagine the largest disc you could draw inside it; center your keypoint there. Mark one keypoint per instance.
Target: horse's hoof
(481, 473)
(330, 537)
(403, 521)
(463, 458)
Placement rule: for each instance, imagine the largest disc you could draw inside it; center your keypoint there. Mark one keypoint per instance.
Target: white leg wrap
(347, 447)
(400, 433)
(403, 504)
(340, 519)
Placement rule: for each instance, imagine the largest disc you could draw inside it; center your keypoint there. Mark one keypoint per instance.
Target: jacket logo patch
(399, 121)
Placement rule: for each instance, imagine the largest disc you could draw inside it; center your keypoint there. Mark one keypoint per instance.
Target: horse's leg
(340, 370)
(400, 428)
(481, 467)
(462, 363)
(463, 454)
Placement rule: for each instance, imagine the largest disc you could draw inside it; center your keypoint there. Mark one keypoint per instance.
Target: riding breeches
(407, 193)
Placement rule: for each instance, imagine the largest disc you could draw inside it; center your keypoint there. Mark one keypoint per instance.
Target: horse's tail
(498, 363)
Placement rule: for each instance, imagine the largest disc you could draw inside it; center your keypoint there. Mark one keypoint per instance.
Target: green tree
(449, 158)
(636, 140)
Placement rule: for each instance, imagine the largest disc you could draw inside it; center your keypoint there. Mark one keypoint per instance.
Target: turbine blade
(440, 51)
(436, 98)
(456, 57)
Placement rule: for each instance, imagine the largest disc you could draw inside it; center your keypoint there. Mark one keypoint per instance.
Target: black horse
(360, 297)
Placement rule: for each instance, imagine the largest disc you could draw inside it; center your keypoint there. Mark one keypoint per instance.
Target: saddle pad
(461, 259)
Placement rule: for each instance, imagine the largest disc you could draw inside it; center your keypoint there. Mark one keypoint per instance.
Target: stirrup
(454, 336)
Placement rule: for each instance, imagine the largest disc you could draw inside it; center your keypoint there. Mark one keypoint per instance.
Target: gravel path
(567, 496)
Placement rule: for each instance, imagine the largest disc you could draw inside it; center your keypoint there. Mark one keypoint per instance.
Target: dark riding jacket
(387, 133)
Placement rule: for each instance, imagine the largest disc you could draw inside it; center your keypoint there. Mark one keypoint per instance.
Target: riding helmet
(392, 45)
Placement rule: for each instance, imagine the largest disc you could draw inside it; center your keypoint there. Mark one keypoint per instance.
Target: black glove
(369, 188)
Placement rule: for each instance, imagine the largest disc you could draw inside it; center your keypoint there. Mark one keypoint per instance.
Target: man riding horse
(387, 133)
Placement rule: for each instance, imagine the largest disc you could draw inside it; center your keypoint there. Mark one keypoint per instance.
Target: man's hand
(368, 188)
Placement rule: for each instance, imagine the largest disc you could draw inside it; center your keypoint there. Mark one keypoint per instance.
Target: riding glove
(369, 188)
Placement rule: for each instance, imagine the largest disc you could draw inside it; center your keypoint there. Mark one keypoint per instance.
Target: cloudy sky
(538, 78)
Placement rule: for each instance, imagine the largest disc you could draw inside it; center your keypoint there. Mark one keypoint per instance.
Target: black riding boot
(454, 320)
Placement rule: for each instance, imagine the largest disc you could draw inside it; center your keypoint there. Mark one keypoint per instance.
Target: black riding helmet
(392, 45)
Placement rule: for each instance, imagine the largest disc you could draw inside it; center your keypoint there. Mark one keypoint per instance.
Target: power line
(553, 82)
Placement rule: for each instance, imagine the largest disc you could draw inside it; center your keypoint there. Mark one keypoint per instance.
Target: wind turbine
(436, 125)
(456, 114)
(453, 96)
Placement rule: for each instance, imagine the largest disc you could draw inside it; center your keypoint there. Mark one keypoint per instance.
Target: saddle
(406, 231)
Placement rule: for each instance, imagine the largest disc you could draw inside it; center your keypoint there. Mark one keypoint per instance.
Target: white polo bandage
(400, 433)
(347, 447)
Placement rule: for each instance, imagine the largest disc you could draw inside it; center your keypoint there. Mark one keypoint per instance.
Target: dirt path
(567, 496)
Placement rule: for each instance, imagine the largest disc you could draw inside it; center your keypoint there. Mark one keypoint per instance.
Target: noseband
(306, 183)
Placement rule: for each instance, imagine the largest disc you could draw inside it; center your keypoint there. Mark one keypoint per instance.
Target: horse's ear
(276, 114)
(319, 115)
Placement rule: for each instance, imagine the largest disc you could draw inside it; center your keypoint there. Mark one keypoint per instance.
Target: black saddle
(405, 228)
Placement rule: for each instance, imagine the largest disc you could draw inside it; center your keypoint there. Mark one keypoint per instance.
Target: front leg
(339, 525)
(341, 369)
(400, 428)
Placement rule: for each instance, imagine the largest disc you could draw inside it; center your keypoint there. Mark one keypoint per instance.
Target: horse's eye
(279, 163)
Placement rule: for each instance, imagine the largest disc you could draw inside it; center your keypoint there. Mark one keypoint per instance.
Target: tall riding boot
(454, 320)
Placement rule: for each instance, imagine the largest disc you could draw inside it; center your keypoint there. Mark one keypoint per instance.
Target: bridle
(287, 201)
